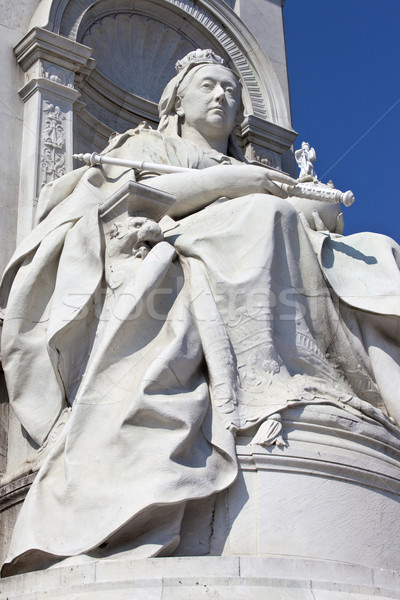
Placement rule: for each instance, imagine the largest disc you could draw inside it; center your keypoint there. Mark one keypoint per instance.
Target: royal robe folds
(225, 323)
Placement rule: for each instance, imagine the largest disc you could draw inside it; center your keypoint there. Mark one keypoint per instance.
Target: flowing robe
(226, 322)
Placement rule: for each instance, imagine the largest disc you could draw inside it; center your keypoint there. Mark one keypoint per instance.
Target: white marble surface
(177, 345)
(194, 578)
(265, 21)
(311, 498)
(11, 115)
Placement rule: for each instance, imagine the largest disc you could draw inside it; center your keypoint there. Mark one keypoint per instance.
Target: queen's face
(209, 101)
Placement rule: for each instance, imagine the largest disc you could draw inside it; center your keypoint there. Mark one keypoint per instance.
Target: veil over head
(169, 120)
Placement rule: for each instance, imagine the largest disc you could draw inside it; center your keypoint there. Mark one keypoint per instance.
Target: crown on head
(199, 57)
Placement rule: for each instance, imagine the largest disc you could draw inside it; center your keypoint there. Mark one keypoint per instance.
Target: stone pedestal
(333, 494)
(198, 578)
(318, 519)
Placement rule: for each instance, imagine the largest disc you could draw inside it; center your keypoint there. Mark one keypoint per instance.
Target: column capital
(40, 44)
(266, 134)
(52, 65)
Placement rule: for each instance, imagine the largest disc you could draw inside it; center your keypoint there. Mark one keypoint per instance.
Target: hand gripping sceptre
(98, 159)
(290, 185)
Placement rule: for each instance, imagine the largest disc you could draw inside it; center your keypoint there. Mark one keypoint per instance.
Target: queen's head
(202, 103)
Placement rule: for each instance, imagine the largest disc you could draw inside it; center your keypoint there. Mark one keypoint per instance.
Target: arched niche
(135, 46)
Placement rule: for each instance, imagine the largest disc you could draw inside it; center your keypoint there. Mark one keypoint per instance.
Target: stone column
(264, 18)
(52, 65)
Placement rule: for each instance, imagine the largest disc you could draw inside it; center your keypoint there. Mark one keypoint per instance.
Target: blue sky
(344, 74)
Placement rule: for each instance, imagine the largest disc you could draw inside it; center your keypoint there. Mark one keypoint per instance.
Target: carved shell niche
(136, 53)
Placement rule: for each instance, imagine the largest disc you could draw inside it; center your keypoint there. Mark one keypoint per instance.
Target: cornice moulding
(44, 84)
(325, 451)
(15, 491)
(42, 44)
(268, 134)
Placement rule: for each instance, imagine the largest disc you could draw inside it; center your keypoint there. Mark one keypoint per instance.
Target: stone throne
(297, 514)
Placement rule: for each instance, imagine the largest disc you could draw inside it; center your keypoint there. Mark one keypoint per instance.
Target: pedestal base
(195, 578)
(318, 519)
(333, 493)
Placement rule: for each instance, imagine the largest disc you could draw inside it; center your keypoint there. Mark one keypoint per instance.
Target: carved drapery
(70, 105)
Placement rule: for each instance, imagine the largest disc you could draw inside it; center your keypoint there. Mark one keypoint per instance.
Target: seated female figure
(192, 339)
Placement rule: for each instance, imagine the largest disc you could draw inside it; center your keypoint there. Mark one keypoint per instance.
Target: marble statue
(196, 307)
(305, 157)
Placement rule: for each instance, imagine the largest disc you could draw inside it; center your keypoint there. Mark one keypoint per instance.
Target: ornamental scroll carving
(53, 138)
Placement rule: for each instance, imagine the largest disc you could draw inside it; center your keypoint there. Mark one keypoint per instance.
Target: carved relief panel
(52, 142)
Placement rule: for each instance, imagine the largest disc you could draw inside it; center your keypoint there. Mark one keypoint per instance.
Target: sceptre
(291, 186)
